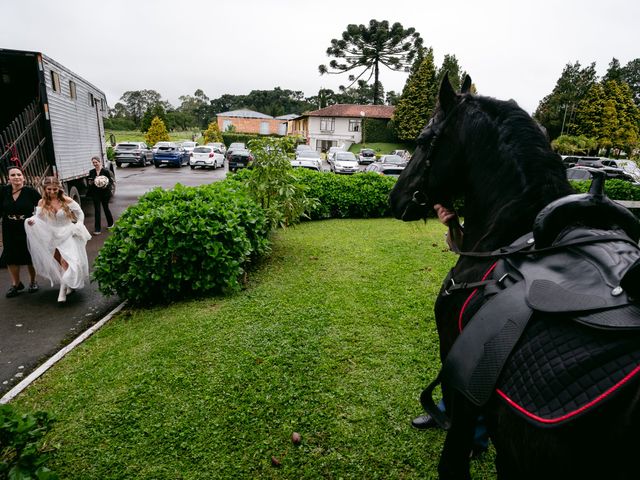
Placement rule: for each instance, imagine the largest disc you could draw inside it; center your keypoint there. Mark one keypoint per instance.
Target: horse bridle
(419, 198)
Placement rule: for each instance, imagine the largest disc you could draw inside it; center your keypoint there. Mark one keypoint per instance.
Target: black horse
(495, 157)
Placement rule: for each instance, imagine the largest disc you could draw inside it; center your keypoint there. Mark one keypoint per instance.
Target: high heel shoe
(62, 296)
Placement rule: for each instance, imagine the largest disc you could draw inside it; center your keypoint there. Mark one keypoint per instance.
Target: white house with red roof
(337, 125)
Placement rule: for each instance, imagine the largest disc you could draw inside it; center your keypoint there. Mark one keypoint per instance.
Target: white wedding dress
(49, 233)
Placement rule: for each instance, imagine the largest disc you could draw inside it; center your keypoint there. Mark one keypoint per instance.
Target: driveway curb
(15, 391)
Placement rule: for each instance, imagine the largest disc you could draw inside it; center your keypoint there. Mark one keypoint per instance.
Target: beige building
(337, 125)
(248, 121)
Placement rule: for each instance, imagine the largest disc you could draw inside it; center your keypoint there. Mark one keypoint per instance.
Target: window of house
(72, 90)
(92, 100)
(327, 125)
(264, 128)
(55, 81)
(354, 125)
(226, 125)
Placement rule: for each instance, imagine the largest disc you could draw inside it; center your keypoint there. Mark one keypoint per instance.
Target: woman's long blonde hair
(51, 182)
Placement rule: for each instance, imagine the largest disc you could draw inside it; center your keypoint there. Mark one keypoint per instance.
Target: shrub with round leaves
(188, 240)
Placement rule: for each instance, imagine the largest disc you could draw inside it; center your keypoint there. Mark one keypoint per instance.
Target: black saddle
(588, 275)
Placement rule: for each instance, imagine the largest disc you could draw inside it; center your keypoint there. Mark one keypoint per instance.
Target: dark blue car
(172, 154)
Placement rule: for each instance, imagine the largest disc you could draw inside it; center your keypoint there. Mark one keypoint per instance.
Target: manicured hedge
(187, 240)
(362, 195)
(615, 189)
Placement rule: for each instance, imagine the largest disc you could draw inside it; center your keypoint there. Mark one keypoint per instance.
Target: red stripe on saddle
(468, 300)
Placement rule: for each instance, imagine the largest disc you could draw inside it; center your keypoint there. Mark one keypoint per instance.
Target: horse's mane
(512, 167)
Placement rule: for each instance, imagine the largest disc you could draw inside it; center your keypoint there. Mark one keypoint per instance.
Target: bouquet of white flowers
(101, 181)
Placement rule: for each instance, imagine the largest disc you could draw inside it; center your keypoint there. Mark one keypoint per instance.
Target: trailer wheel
(75, 194)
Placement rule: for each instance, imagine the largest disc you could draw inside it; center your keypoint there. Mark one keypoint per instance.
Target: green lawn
(332, 338)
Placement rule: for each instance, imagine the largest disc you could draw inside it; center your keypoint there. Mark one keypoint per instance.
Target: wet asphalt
(33, 327)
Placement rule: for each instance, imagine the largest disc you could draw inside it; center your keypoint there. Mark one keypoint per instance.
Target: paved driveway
(33, 326)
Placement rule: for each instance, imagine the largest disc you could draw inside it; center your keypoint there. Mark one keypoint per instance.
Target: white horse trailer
(51, 121)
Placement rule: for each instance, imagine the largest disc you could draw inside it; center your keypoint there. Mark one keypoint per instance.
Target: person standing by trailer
(99, 190)
(17, 202)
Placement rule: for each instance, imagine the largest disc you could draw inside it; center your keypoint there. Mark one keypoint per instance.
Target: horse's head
(430, 177)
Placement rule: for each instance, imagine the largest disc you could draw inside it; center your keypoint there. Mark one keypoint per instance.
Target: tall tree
(614, 72)
(556, 111)
(451, 67)
(197, 108)
(608, 114)
(363, 49)
(631, 76)
(417, 101)
(137, 102)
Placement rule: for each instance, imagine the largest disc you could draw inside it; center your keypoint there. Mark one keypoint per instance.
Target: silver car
(345, 162)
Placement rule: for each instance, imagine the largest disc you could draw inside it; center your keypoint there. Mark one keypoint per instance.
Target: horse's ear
(466, 85)
(446, 97)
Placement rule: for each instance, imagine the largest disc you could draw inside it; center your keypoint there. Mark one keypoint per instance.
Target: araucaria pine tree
(418, 100)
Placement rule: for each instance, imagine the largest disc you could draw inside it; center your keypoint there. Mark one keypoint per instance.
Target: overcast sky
(512, 49)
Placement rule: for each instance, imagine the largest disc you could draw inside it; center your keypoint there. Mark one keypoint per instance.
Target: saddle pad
(561, 369)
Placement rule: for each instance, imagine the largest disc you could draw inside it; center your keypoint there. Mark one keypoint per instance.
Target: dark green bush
(615, 189)
(119, 124)
(363, 195)
(22, 451)
(379, 130)
(188, 240)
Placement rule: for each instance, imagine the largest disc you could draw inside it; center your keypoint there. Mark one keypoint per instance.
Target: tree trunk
(376, 85)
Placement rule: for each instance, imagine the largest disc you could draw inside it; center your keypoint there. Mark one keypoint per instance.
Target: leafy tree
(392, 98)
(609, 115)
(196, 108)
(556, 111)
(177, 120)
(363, 49)
(614, 72)
(574, 145)
(273, 184)
(152, 112)
(138, 101)
(451, 67)
(631, 76)
(212, 133)
(417, 101)
(157, 132)
(274, 102)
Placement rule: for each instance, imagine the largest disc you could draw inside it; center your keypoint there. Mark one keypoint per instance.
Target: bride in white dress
(57, 239)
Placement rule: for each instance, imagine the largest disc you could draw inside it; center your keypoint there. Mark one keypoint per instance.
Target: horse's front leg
(456, 453)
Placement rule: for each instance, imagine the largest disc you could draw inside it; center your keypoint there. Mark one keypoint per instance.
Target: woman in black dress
(17, 202)
(100, 194)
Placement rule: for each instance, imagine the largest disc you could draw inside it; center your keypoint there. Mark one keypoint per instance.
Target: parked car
(239, 159)
(366, 156)
(303, 147)
(158, 145)
(628, 166)
(235, 146)
(584, 173)
(393, 160)
(206, 157)
(404, 154)
(307, 159)
(344, 162)
(172, 154)
(595, 162)
(219, 145)
(189, 146)
(133, 152)
(332, 152)
(390, 169)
